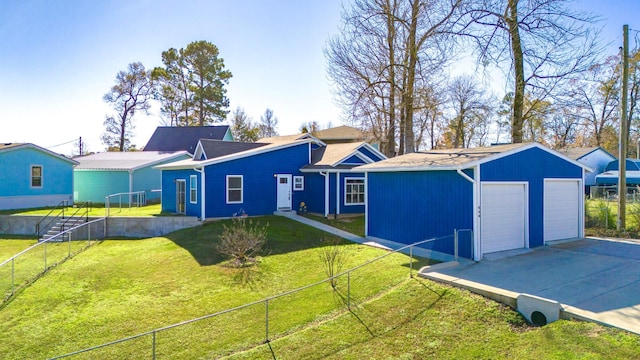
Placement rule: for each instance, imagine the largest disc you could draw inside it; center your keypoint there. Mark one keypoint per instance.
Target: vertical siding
(533, 166)
(370, 154)
(408, 207)
(313, 195)
(350, 209)
(259, 182)
(169, 178)
(353, 160)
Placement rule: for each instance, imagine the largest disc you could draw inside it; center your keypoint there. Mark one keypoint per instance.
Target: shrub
(333, 256)
(242, 241)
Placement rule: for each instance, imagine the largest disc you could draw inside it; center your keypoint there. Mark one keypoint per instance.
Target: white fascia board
(46, 151)
(151, 163)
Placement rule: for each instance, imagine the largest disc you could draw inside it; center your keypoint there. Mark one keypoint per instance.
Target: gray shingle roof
(167, 138)
(577, 153)
(125, 160)
(217, 148)
(449, 158)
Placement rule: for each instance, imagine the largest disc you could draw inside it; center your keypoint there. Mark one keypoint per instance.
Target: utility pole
(80, 145)
(622, 158)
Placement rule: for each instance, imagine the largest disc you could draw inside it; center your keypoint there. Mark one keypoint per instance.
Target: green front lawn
(351, 224)
(94, 211)
(120, 288)
(13, 244)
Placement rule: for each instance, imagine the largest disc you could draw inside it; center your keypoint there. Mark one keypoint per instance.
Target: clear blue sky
(59, 57)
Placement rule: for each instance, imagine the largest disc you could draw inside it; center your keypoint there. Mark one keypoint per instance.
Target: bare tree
(385, 53)
(543, 41)
(268, 124)
(470, 111)
(242, 127)
(132, 93)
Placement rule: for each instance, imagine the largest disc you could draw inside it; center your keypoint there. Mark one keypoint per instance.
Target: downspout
(476, 210)
(202, 197)
(130, 187)
(326, 192)
(337, 194)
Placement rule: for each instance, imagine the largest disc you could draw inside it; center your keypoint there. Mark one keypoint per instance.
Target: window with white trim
(36, 176)
(193, 189)
(354, 191)
(298, 183)
(234, 189)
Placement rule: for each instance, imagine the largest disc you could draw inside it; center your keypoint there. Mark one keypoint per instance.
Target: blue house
(32, 177)
(274, 174)
(596, 158)
(510, 197)
(99, 175)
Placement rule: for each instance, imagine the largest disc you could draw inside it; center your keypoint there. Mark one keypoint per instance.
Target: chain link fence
(28, 265)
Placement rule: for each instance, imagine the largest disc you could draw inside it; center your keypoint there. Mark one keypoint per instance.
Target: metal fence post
(153, 346)
(411, 262)
(349, 290)
(69, 254)
(455, 244)
(13, 274)
(266, 320)
(45, 255)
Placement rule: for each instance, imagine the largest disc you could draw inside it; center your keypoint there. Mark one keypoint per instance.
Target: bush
(242, 241)
(600, 215)
(333, 256)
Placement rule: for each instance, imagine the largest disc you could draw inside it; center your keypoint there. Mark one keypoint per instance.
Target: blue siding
(353, 160)
(349, 209)
(370, 154)
(259, 181)
(408, 207)
(15, 174)
(533, 166)
(313, 195)
(169, 199)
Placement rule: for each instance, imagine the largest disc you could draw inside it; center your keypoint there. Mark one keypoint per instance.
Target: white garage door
(503, 217)
(561, 209)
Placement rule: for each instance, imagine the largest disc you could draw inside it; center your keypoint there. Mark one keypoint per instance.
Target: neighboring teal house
(99, 175)
(31, 177)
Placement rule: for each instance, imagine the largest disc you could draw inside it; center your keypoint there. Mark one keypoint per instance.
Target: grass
(13, 244)
(352, 224)
(95, 211)
(121, 288)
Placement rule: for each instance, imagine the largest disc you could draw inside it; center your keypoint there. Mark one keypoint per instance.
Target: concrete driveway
(593, 279)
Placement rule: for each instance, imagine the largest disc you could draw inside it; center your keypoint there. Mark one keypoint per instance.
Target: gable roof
(132, 160)
(578, 153)
(216, 148)
(342, 132)
(184, 138)
(454, 159)
(6, 147)
(331, 156)
(277, 144)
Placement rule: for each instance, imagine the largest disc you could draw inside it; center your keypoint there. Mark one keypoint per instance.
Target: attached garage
(562, 209)
(506, 197)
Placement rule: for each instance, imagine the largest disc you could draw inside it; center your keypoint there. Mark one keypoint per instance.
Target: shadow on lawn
(283, 236)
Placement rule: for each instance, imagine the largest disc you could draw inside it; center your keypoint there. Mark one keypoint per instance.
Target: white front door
(284, 191)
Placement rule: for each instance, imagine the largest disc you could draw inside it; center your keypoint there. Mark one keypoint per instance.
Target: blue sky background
(58, 58)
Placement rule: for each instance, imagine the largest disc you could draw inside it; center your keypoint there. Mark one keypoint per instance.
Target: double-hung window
(193, 189)
(354, 191)
(36, 176)
(234, 189)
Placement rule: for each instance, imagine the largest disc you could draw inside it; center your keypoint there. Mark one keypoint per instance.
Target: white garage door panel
(503, 217)
(561, 209)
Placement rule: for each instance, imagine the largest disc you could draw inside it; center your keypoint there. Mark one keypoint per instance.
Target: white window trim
(193, 199)
(345, 190)
(301, 178)
(31, 176)
(241, 189)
